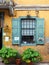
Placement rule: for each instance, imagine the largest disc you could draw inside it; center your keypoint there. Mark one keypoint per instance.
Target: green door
(16, 31)
(40, 31)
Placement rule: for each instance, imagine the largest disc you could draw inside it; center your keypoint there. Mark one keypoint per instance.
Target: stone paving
(43, 64)
(25, 64)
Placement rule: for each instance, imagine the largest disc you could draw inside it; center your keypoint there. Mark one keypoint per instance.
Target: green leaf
(30, 54)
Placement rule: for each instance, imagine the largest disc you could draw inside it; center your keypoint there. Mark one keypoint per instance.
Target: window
(28, 30)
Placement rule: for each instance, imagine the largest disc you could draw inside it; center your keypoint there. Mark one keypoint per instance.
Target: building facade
(25, 24)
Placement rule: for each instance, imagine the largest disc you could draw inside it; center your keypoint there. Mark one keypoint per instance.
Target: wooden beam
(31, 7)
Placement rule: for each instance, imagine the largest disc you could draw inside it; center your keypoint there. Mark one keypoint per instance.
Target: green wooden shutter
(16, 31)
(40, 31)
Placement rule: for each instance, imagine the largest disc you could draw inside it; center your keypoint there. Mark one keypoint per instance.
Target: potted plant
(7, 54)
(31, 56)
(18, 59)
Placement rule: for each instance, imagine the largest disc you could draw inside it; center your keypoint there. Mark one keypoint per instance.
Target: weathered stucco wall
(43, 49)
(31, 2)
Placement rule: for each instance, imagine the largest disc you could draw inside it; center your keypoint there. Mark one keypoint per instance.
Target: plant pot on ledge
(18, 61)
(8, 54)
(31, 56)
(30, 63)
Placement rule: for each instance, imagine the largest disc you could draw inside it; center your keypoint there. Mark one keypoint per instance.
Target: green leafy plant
(6, 53)
(30, 55)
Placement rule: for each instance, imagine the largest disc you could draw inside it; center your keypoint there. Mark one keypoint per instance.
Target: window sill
(34, 44)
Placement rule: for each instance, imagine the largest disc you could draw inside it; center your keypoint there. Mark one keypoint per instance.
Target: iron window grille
(28, 30)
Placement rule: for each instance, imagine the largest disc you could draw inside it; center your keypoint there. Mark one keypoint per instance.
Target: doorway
(1, 27)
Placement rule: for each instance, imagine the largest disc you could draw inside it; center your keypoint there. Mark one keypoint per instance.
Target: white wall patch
(6, 39)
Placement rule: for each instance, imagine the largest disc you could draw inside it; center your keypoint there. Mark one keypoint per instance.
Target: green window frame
(39, 29)
(28, 30)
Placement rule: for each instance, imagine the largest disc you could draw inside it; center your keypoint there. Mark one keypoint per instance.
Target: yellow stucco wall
(31, 2)
(43, 49)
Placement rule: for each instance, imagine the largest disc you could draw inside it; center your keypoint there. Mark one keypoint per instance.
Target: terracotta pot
(18, 61)
(11, 60)
(31, 63)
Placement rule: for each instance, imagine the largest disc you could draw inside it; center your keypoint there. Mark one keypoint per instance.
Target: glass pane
(31, 26)
(27, 32)
(31, 21)
(27, 26)
(22, 26)
(27, 22)
(24, 23)
(31, 32)
(34, 39)
(24, 32)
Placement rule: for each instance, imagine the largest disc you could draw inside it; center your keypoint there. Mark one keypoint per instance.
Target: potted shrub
(7, 54)
(31, 56)
(18, 59)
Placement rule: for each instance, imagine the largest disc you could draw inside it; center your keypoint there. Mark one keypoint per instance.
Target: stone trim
(31, 7)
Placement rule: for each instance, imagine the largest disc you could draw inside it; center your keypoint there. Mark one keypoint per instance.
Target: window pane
(24, 24)
(31, 32)
(27, 26)
(24, 32)
(31, 21)
(27, 32)
(31, 26)
(27, 22)
(24, 21)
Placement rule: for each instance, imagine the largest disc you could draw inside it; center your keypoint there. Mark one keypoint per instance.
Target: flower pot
(11, 60)
(18, 61)
(31, 63)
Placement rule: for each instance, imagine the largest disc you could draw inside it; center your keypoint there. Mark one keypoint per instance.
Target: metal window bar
(27, 31)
